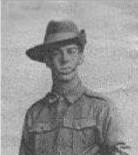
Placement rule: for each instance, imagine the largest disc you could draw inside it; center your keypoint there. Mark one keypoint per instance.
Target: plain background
(111, 58)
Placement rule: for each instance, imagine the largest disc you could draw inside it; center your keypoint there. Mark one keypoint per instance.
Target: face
(65, 61)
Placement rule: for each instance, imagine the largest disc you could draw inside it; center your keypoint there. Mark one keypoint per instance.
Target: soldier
(70, 119)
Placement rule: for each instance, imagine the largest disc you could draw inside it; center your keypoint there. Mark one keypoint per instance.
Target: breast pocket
(83, 133)
(43, 137)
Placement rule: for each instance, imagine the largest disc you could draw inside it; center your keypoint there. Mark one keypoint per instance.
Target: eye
(72, 50)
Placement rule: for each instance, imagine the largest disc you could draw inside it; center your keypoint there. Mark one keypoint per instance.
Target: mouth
(66, 70)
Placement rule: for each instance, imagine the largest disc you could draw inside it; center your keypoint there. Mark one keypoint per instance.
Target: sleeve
(26, 145)
(113, 134)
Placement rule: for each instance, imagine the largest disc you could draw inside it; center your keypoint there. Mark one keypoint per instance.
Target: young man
(69, 120)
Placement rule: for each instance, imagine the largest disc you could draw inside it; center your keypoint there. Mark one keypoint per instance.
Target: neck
(66, 85)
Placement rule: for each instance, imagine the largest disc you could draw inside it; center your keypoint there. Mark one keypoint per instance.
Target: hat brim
(38, 52)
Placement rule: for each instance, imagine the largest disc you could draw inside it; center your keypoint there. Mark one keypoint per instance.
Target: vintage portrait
(70, 77)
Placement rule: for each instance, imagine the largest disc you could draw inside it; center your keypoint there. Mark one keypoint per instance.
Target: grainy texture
(111, 58)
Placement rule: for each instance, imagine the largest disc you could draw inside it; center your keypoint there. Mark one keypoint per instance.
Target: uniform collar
(71, 95)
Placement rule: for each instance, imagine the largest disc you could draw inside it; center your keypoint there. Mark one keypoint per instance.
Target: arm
(114, 143)
(25, 146)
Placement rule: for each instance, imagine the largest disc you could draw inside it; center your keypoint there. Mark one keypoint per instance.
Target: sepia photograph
(69, 77)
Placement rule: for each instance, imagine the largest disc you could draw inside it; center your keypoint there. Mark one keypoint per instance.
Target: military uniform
(76, 122)
(71, 122)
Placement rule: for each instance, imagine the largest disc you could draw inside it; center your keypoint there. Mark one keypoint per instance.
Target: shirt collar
(71, 95)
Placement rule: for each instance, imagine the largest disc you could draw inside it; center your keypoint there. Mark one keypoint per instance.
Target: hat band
(59, 37)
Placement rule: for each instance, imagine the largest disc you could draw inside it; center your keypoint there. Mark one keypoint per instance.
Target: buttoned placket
(67, 99)
(62, 109)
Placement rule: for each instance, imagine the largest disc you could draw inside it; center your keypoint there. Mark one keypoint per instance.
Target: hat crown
(58, 32)
(61, 26)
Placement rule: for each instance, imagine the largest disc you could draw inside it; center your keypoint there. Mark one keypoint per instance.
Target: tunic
(77, 122)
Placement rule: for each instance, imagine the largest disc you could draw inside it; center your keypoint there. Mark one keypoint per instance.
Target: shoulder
(96, 95)
(92, 94)
(36, 107)
(102, 104)
(98, 99)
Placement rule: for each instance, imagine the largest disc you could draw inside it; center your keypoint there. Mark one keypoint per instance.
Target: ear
(81, 58)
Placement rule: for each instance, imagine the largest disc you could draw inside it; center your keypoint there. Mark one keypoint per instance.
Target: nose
(64, 56)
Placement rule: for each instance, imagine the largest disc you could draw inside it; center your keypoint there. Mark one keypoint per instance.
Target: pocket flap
(41, 127)
(79, 123)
